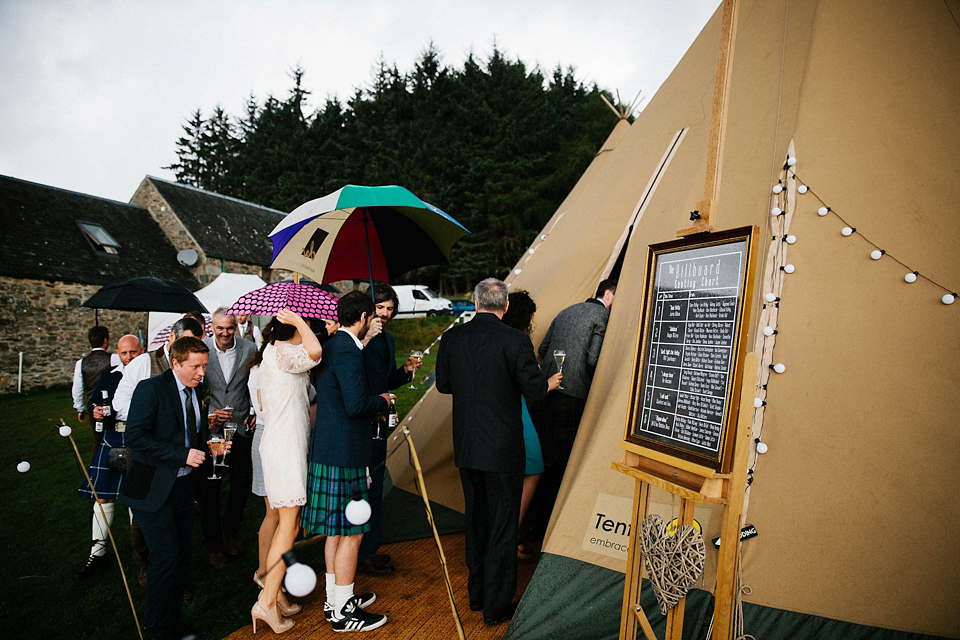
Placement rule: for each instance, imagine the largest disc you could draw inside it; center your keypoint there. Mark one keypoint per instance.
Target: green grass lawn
(45, 528)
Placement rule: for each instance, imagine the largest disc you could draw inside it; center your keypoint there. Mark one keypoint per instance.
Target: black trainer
(356, 619)
(366, 599)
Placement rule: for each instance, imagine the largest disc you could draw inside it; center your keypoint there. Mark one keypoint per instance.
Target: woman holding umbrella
(290, 350)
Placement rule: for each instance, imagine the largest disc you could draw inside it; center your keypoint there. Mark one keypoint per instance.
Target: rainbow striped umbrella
(356, 233)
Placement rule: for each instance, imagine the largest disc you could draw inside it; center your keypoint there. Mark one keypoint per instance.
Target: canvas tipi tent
(854, 501)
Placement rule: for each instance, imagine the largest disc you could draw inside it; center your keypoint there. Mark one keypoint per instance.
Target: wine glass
(228, 430)
(217, 445)
(558, 356)
(419, 356)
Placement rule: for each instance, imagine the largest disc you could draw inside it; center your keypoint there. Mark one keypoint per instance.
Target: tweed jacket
(233, 393)
(578, 330)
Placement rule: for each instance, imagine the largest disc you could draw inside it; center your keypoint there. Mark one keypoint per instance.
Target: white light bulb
(791, 239)
(358, 512)
(769, 331)
(761, 447)
(802, 189)
(846, 232)
(65, 431)
(757, 403)
(532, 250)
(779, 367)
(822, 211)
(300, 580)
(23, 466)
(789, 268)
(947, 298)
(776, 211)
(517, 271)
(777, 188)
(543, 237)
(769, 297)
(910, 277)
(876, 254)
(791, 161)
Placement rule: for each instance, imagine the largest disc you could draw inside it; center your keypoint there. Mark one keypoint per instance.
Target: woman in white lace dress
(290, 350)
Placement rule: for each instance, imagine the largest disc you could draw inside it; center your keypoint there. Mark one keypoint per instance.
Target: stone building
(228, 235)
(57, 249)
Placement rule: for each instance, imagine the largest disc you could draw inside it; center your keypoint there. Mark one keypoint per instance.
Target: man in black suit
(167, 437)
(487, 366)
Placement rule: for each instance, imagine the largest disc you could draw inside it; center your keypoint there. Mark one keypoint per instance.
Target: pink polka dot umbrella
(306, 300)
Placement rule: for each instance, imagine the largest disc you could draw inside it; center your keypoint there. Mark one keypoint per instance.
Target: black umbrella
(146, 294)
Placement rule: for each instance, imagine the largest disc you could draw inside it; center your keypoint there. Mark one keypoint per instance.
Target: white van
(416, 301)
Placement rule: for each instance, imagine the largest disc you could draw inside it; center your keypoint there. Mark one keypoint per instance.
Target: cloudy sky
(94, 93)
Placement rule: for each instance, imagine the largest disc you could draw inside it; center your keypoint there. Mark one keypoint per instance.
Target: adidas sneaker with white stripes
(353, 618)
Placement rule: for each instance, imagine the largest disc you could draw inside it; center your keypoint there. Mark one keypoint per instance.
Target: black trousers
(167, 532)
(492, 501)
(371, 539)
(241, 481)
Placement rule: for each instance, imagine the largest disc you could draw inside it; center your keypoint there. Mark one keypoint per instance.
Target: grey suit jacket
(233, 393)
(579, 331)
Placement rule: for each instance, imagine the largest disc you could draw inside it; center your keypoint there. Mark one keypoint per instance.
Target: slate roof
(40, 239)
(224, 227)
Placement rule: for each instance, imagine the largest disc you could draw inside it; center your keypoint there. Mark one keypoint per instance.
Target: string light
(788, 268)
(771, 297)
(65, 431)
(23, 466)
(300, 579)
(759, 402)
(779, 367)
(791, 161)
(769, 331)
(358, 510)
(777, 188)
(776, 211)
(790, 239)
(761, 446)
(877, 253)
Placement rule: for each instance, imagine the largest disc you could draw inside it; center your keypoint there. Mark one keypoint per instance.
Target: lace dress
(283, 446)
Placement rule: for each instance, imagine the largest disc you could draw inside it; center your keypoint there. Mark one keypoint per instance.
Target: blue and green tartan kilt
(105, 481)
(329, 490)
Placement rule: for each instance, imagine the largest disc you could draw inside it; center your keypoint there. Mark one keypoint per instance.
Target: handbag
(117, 459)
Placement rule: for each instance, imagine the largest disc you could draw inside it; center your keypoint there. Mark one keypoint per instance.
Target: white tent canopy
(222, 292)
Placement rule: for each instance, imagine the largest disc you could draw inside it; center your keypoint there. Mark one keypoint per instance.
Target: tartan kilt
(105, 481)
(557, 426)
(329, 490)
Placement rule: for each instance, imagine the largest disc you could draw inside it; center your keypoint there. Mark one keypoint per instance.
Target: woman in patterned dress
(290, 350)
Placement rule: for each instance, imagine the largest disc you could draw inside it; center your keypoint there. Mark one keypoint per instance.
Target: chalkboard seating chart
(692, 332)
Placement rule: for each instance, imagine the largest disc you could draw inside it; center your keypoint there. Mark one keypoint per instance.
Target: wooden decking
(414, 598)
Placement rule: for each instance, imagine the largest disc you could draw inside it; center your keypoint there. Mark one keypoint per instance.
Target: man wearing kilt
(106, 481)
(340, 449)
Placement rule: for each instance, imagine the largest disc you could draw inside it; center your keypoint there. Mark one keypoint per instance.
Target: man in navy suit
(167, 437)
(487, 366)
(340, 451)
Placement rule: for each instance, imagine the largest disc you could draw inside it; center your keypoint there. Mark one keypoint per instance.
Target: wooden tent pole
(707, 207)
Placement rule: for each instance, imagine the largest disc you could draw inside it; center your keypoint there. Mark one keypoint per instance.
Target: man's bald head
(128, 348)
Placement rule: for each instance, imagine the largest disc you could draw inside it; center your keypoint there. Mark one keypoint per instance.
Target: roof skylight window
(99, 238)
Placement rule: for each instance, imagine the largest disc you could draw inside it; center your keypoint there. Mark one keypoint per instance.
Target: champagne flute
(558, 356)
(217, 446)
(228, 430)
(419, 357)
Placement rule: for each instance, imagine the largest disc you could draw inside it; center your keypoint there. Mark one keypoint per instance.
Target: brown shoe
(218, 560)
(234, 546)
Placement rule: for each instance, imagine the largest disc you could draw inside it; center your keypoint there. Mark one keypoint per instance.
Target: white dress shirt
(77, 390)
(133, 374)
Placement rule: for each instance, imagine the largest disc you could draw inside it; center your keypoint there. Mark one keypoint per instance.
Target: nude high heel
(259, 613)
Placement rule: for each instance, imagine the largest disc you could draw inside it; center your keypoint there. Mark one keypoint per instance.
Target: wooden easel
(693, 484)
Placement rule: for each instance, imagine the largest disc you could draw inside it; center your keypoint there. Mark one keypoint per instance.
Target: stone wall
(45, 321)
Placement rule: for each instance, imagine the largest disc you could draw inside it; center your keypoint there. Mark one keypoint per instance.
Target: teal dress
(531, 443)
